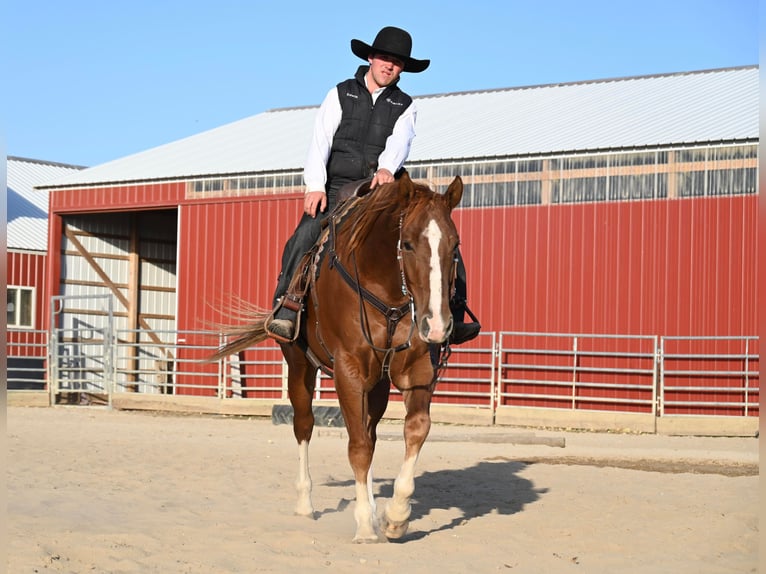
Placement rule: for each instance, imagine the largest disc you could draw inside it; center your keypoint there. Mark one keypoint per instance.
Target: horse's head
(428, 250)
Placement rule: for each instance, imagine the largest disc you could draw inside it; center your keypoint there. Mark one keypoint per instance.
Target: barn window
(418, 172)
(578, 190)
(20, 307)
(208, 185)
(718, 171)
(491, 185)
(691, 184)
(731, 181)
(626, 187)
(529, 166)
(529, 192)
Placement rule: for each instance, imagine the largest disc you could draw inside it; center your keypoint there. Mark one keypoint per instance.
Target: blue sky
(95, 80)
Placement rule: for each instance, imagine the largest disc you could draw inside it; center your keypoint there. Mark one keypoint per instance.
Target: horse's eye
(407, 246)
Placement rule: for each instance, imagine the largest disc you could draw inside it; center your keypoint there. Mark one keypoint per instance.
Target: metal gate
(81, 350)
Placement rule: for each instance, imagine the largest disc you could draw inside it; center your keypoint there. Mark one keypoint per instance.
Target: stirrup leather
(293, 299)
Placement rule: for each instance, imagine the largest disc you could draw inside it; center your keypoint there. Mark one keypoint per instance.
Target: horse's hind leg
(301, 379)
(417, 423)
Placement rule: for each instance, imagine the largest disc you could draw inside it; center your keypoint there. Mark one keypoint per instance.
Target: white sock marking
(304, 507)
(398, 510)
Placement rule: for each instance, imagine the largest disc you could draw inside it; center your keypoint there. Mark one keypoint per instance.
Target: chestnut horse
(376, 306)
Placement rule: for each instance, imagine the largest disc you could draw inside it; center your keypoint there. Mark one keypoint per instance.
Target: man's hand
(381, 176)
(314, 200)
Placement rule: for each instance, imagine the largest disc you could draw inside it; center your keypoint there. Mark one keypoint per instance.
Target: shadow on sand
(485, 488)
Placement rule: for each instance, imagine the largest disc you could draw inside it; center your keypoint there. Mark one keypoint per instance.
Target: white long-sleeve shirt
(327, 121)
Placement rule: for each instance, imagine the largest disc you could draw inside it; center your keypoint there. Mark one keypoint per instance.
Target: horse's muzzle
(435, 330)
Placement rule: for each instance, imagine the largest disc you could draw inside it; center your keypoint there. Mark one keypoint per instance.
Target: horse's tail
(245, 335)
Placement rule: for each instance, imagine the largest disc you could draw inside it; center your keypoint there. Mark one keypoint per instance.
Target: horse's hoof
(307, 513)
(395, 530)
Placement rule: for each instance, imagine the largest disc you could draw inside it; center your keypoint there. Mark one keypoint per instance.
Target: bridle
(392, 314)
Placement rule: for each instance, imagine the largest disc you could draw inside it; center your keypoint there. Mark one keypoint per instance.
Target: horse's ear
(406, 188)
(454, 192)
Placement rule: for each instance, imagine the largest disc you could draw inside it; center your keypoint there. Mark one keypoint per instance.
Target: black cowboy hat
(394, 42)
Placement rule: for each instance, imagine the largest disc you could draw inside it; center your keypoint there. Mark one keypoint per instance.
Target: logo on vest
(393, 103)
(350, 95)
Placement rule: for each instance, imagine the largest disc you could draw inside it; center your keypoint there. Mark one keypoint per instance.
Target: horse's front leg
(365, 514)
(417, 423)
(361, 445)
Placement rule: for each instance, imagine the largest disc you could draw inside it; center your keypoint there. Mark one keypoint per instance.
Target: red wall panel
(670, 267)
(230, 251)
(27, 269)
(123, 197)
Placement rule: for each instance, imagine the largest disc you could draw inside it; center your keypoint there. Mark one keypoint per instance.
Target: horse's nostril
(424, 325)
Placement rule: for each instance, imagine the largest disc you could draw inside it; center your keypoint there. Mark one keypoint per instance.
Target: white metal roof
(27, 206)
(664, 109)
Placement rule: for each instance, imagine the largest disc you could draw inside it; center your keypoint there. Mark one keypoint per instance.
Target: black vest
(363, 130)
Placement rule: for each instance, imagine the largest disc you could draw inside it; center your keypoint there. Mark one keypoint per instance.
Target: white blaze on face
(436, 323)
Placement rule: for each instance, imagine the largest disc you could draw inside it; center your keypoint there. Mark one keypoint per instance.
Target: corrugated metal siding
(27, 269)
(126, 197)
(80, 279)
(230, 251)
(607, 114)
(637, 268)
(704, 106)
(28, 207)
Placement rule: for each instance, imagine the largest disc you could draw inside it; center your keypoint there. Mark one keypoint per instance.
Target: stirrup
(293, 303)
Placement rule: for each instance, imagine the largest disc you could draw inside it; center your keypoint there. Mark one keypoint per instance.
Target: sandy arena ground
(93, 490)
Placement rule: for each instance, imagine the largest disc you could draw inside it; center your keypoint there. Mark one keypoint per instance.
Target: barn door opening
(129, 257)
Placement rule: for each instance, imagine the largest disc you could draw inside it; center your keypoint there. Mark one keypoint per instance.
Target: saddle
(357, 188)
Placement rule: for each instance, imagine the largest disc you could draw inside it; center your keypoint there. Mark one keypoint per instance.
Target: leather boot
(462, 331)
(282, 327)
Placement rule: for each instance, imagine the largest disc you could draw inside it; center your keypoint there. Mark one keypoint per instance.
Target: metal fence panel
(667, 377)
(577, 371)
(709, 376)
(27, 354)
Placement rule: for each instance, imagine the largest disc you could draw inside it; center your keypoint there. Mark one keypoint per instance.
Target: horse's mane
(385, 200)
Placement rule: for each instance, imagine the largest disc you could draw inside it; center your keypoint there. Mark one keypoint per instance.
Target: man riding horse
(364, 129)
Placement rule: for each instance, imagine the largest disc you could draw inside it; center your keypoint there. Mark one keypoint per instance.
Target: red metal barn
(605, 224)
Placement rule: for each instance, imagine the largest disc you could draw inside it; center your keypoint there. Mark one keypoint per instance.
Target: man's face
(385, 69)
